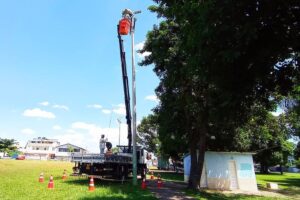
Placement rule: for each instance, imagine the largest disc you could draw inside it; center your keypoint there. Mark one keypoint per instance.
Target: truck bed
(124, 158)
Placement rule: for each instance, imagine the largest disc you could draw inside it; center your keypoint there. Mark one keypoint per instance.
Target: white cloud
(56, 127)
(71, 131)
(75, 138)
(152, 98)
(120, 109)
(87, 135)
(83, 125)
(140, 46)
(96, 106)
(45, 103)
(27, 131)
(36, 112)
(106, 111)
(63, 107)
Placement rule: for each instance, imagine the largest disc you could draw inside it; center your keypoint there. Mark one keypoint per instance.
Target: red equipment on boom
(124, 26)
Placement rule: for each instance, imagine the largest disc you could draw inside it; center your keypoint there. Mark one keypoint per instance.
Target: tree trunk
(197, 150)
(193, 183)
(264, 168)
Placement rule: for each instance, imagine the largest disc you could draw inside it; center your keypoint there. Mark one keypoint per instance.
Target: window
(63, 150)
(37, 148)
(45, 149)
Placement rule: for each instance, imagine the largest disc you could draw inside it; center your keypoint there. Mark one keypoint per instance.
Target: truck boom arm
(126, 90)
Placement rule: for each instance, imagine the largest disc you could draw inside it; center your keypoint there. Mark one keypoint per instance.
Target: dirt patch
(175, 191)
(168, 191)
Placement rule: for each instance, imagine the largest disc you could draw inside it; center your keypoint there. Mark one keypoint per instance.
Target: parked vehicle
(20, 157)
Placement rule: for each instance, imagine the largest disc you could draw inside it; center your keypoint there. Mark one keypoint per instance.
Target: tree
(7, 145)
(148, 132)
(70, 148)
(266, 135)
(297, 152)
(215, 60)
(115, 150)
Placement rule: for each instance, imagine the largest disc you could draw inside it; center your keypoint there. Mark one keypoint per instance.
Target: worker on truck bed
(102, 143)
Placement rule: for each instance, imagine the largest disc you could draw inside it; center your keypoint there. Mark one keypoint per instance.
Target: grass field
(19, 180)
(169, 176)
(285, 181)
(221, 196)
(289, 184)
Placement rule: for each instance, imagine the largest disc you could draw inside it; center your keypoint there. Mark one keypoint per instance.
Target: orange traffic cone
(91, 185)
(159, 181)
(51, 183)
(41, 179)
(144, 186)
(64, 177)
(152, 176)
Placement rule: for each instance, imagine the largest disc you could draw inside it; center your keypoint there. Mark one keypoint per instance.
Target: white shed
(225, 171)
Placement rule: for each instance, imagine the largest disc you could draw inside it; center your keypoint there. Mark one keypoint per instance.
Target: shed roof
(226, 152)
(70, 145)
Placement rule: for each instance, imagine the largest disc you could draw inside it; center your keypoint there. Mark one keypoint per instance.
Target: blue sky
(60, 69)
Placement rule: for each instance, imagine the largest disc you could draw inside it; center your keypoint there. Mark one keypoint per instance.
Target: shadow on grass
(130, 191)
(170, 176)
(289, 182)
(292, 184)
(129, 196)
(219, 196)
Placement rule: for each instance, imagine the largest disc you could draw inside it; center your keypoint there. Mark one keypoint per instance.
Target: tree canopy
(7, 145)
(147, 131)
(215, 61)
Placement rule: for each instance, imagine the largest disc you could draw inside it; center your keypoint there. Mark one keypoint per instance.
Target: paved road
(169, 190)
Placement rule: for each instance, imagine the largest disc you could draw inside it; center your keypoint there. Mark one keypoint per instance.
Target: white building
(225, 171)
(64, 152)
(40, 148)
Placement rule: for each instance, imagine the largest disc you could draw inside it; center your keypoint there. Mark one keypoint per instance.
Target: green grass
(220, 196)
(284, 181)
(19, 180)
(169, 176)
(289, 183)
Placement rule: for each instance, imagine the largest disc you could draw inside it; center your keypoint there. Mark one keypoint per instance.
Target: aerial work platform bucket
(124, 26)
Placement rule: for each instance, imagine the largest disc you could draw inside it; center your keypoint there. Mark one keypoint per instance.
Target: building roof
(43, 139)
(70, 145)
(225, 152)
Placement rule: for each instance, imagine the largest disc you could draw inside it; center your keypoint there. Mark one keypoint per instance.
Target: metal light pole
(134, 156)
(130, 15)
